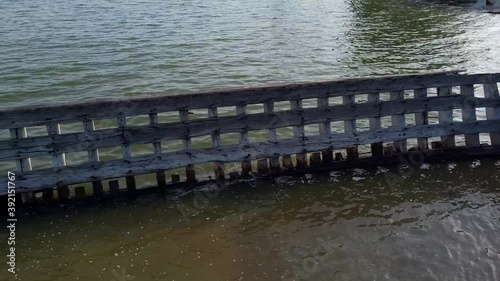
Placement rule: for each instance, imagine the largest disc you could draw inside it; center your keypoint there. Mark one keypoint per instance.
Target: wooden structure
(400, 98)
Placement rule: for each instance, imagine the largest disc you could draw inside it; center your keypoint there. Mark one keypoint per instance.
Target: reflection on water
(437, 222)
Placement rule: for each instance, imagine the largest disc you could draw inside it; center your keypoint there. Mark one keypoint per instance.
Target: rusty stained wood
(104, 109)
(45, 145)
(492, 112)
(35, 180)
(446, 117)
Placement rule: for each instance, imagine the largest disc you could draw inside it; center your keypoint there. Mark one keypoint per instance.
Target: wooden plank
(186, 142)
(102, 109)
(287, 162)
(274, 162)
(377, 149)
(325, 129)
(469, 115)
(22, 164)
(298, 133)
(127, 155)
(350, 128)
(39, 146)
(160, 175)
(58, 159)
(93, 155)
(35, 180)
(446, 117)
(492, 112)
(262, 166)
(315, 159)
(398, 122)
(114, 186)
(246, 165)
(218, 165)
(421, 118)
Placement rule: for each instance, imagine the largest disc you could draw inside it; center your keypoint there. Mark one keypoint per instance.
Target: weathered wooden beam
(186, 142)
(114, 187)
(41, 146)
(398, 121)
(93, 156)
(263, 166)
(350, 128)
(23, 164)
(315, 159)
(246, 165)
(492, 112)
(287, 162)
(469, 115)
(80, 191)
(377, 149)
(325, 129)
(127, 154)
(161, 180)
(102, 109)
(146, 164)
(299, 134)
(274, 162)
(218, 165)
(421, 118)
(446, 117)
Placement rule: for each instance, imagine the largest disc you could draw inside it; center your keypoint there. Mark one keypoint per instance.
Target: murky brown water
(434, 222)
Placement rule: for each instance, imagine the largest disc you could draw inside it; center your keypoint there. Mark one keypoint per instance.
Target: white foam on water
(359, 172)
(425, 166)
(451, 166)
(358, 178)
(381, 170)
(475, 164)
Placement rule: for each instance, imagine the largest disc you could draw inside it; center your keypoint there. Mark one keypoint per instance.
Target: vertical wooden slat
(127, 154)
(398, 121)
(58, 159)
(218, 166)
(469, 115)
(190, 173)
(114, 186)
(160, 175)
(93, 155)
(274, 162)
(375, 125)
(492, 113)
(325, 129)
(298, 133)
(421, 118)
(446, 117)
(246, 165)
(350, 128)
(23, 165)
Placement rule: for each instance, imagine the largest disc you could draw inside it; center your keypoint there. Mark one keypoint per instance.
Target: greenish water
(439, 224)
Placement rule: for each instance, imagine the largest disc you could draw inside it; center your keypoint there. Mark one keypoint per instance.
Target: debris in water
(475, 164)
(451, 166)
(381, 170)
(358, 178)
(425, 166)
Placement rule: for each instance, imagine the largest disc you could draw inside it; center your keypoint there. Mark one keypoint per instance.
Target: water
(438, 224)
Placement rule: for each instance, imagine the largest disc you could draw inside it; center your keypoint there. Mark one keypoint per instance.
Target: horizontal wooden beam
(104, 109)
(39, 179)
(56, 144)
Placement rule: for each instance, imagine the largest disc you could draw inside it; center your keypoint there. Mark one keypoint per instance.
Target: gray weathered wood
(377, 149)
(58, 160)
(350, 128)
(103, 109)
(160, 175)
(186, 142)
(446, 117)
(46, 145)
(325, 129)
(299, 134)
(93, 156)
(469, 115)
(246, 165)
(35, 180)
(421, 118)
(274, 162)
(492, 112)
(127, 155)
(218, 165)
(398, 121)
(22, 164)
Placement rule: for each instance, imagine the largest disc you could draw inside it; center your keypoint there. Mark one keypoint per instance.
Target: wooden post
(114, 186)
(175, 178)
(127, 154)
(446, 117)
(24, 164)
(469, 115)
(287, 162)
(274, 162)
(93, 156)
(190, 173)
(492, 113)
(48, 193)
(80, 191)
(58, 160)
(339, 156)
(315, 159)
(246, 165)
(350, 129)
(298, 133)
(421, 118)
(325, 129)
(218, 166)
(160, 175)
(262, 166)
(375, 125)
(398, 121)
(62, 193)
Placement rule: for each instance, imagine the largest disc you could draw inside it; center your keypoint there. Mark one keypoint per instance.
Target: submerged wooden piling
(382, 139)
